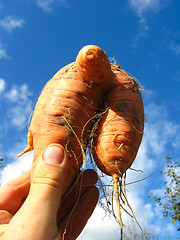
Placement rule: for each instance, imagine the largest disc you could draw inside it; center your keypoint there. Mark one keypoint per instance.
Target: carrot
(66, 113)
(66, 106)
(120, 130)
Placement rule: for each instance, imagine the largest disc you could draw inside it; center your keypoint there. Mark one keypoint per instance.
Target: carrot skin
(64, 111)
(90, 56)
(120, 130)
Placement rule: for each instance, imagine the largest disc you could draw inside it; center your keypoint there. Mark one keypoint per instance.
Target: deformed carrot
(67, 103)
(120, 131)
(66, 113)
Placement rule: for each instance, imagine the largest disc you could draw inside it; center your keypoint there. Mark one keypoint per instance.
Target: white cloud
(3, 54)
(159, 129)
(100, 227)
(19, 105)
(149, 216)
(13, 94)
(9, 23)
(45, 4)
(17, 166)
(16, 105)
(18, 93)
(143, 6)
(48, 5)
(2, 85)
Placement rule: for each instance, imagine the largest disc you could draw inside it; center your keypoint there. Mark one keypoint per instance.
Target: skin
(37, 210)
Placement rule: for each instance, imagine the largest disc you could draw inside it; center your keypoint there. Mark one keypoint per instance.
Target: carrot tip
(93, 64)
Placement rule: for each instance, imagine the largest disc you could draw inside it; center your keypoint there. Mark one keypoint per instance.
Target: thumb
(49, 178)
(37, 217)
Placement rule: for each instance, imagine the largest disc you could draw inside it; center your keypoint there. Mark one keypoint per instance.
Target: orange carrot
(121, 128)
(66, 110)
(67, 103)
(120, 131)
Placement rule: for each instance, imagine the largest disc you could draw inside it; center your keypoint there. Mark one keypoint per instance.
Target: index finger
(13, 193)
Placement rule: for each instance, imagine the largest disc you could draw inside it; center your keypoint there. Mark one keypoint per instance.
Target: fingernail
(53, 155)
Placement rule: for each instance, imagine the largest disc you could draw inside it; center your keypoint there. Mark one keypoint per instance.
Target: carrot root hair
(120, 194)
(117, 195)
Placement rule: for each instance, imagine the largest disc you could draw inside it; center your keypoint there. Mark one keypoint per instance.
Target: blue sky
(38, 37)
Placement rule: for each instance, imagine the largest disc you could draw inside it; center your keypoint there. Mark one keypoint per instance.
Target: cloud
(143, 6)
(19, 105)
(149, 216)
(2, 85)
(3, 54)
(9, 23)
(100, 227)
(16, 105)
(48, 5)
(18, 93)
(17, 166)
(15, 109)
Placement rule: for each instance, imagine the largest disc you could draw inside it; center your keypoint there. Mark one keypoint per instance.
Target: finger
(89, 178)
(48, 180)
(73, 224)
(37, 217)
(17, 190)
(5, 217)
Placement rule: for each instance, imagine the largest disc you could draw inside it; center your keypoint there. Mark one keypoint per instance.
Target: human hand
(31, 210)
